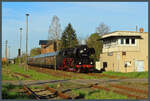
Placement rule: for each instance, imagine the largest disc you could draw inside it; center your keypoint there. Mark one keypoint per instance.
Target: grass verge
(19, 69)
(130, 74)
(8, 94)
(99, 94)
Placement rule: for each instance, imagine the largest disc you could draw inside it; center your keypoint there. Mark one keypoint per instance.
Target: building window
(104, 64)
(122, 41)
(133, 41)
(127, 41)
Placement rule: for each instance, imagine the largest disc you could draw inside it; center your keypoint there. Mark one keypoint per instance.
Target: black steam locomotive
(75, 59)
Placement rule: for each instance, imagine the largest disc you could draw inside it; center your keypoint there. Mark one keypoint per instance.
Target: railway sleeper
(60, 94)
(30, 92)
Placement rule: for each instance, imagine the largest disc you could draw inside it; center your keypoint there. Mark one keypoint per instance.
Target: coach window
(133, 41)
(127, 40)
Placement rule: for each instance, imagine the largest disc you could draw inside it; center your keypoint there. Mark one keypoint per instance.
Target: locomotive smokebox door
(55, 46)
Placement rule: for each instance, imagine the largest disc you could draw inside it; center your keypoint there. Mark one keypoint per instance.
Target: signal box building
(125, 51)
(47, 46)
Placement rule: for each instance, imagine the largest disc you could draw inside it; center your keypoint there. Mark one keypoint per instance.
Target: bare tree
(54, 34)
(54, 29)
(102, 29)
(83, 39)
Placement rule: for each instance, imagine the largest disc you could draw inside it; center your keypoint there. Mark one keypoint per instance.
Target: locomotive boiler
(76, 59)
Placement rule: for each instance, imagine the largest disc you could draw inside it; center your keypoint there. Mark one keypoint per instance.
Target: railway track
(108, 76)
(30, 92)
(60, 74)
(131, 92)
(58, 93)
(123, 92)
(50, 92)
(64, 74)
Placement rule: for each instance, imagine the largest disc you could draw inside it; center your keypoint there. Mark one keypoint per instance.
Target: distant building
(11, 61)
(4, 60)
(47, 46)
(125, 51)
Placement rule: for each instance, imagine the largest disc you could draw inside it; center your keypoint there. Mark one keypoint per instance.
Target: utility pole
(6, 52)
(9, 55)
(20, 38)
(27, 39)
(9, 52)
(20, 45)
(6, 49)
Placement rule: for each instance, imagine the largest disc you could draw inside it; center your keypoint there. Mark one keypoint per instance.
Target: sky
(84, 17)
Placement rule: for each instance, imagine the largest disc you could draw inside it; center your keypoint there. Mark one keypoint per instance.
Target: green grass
(53, 85)
(34, 75)
(129, 74)
(99, 94)
(7, 77)
(7, 94)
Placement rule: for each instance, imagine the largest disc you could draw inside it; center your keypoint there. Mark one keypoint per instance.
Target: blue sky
(84, 16)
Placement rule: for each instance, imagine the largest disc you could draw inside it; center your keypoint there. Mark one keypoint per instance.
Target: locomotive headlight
(85, 49)
(81, 51)
(91, 63)
(79, 63)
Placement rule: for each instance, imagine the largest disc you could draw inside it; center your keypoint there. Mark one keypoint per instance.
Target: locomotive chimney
(141, 30)
(83, 42)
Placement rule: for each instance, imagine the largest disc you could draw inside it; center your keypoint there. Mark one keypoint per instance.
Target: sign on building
(110, 53)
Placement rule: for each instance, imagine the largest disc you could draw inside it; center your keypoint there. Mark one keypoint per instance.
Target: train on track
(75, 59)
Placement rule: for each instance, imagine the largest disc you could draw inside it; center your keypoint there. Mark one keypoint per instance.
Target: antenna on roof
(136, 28)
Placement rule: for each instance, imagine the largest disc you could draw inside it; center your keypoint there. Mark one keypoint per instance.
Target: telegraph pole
(9, 55)
(27, 39)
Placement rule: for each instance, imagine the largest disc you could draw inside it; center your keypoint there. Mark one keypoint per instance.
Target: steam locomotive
(75, 59)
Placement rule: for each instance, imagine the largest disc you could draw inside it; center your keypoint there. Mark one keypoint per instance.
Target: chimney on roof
(141, 30)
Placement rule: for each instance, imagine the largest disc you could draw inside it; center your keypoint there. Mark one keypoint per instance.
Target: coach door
(139, 65)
